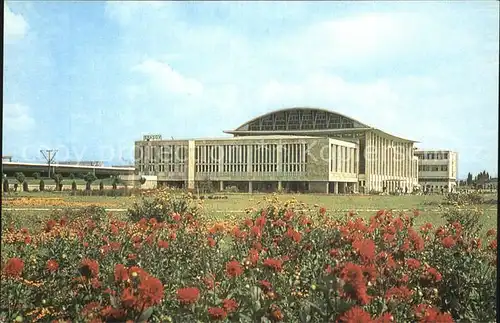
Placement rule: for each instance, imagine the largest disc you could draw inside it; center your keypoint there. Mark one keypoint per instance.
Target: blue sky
(89, 78)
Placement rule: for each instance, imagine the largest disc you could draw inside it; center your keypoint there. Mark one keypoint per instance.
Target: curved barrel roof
(303, 120)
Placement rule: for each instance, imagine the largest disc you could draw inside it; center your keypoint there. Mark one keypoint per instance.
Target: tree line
(480, 179)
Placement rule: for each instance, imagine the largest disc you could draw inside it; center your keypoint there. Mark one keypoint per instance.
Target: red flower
(255, 231)
(188, 295)
(52, 265)
(356, 315)
(265, 286)
(90, 308)
(176, 217)
(365, 248)
(322, 210)
(448, 242)
(233, 269)
(211, 242)
(355, 287)
(209, 282)
(491, 233)
(150, 292)
(385, 318)
(433, 274)
(127, 298)
(95, 283)
(493, 244)
(413, 263)
(14, 267)
(253, 256)
(294, 235)
(27, 240)
(162, 244)
(230, 305)
(399, 293)
(275, 264)
(89, 268)
(260, 221)
(276, 314)
(248, 222)
(428, 314)
(114, 229)
(334, 253)
(50, 225)
(121, 273)
(217, 313)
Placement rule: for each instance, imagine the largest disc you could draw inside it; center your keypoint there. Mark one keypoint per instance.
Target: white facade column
(221, 186)
(337, 170)
(336, 187)
(279, 149)
(353, 157)
(191, 164)
(249, 158)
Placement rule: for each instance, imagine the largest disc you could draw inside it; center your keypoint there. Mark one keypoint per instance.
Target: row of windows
(228, 158)
(343, 159)
(429, 168)
(432, 180)
(432, 155)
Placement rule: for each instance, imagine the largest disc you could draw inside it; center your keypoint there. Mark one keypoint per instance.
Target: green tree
(25, 186)
(20, 177)
(58, 178)
(36, 175)
(72, 176)
(101, 185)
(5, 185)
(89, 178)
(41, 186)
(73, 186)
(115, 181)
(469, 179)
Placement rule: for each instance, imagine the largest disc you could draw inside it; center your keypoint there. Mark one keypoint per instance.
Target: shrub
(73, 186)
(461, 198)
(101, 186)
(142, 180)
(58, 178)
(25, 186)
(162, 206)
(36, 175)
(232, 189)
(41, 186)
(5, 185)
(72, 176)
(20, 177)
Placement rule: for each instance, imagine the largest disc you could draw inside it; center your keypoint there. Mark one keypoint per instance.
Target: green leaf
(145, 315)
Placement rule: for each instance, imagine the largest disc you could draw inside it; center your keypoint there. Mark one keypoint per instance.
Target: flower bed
(281, 263)
(50, 202)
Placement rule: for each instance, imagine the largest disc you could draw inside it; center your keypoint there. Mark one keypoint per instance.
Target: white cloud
(17, 118)
(166, 78)
(126, 12)
(15, 26)
(363, 101)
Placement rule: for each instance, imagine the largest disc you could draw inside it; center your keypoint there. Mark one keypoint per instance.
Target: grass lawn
(234, 206)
